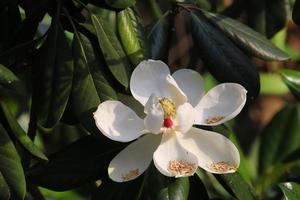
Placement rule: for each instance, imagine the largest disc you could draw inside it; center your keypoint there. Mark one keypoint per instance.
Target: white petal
(132, 161)
(191, 83)
(185, 117)
(118, 122)
(175, 93)
(216, 153)
(155, 115)
(147, 78)
(221, 104)
(171, 159)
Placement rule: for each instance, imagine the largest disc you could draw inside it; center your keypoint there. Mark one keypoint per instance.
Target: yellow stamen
(222, 167)
(214, 119)
(181, 168)
(168, 107)
(131, 174)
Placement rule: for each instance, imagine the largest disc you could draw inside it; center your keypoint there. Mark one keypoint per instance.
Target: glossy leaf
(159, 187)
(296, 12)
(131, 32)
(20, 134)
(292, 79)
(237, 186)
(280, 137)
(11, 167)
(53, 74)
(246, 38)
(158, 38)
(90, 86)
(224, 60)
(290, 190)
(112, 50)
(83, 161)
(121, 4)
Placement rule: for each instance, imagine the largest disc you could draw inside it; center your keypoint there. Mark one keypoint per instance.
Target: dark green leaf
(8, 79)
(296, 12)
(224, 60)
(112, 50)
(280, 137)
(160, 187)
(290, 190)
(90, 86)
(110, 190)
(292, 79)
(246, 38)
(131, 32)
(4, 189)
(197, 189)
(53, 74)
(120, 3)
(237, 186)
(11, 167)
(158, 39)
(83, 161)
(20, 134)
(267, 16)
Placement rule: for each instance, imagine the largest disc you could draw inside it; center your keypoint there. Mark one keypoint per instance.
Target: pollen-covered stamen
(169, 111)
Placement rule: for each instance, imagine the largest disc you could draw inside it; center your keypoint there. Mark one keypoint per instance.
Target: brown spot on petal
(222, 167)
(181, 168)
(131, 174)
(214, 119)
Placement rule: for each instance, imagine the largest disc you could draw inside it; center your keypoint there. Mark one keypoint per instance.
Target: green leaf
(197, 189)
(296, 12)
(224, 60)
(246, 38)
(272, 84)
(160, 187)
(90, 86)
(158, 38)
(52, 74)
(20, 134)
(237, 186)
(112, 50)
(280, 137)
(7, 77)
(4, 189)
(292, 79)
(11, 167)
(290, 190)
(83, 161)
(131, 32)
(121, 4)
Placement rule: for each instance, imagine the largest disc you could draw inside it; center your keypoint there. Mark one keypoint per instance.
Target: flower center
(169, 111)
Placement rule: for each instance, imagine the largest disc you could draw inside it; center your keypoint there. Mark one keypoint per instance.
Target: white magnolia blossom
(172, 104)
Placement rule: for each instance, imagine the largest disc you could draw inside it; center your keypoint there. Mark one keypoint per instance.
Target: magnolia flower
(172, 104)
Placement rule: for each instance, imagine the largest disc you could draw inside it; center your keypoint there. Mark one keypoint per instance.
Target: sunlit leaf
(20, 134)
(131, 32)
(290, 190)
(112, 50)
(292, 79)
(11, 167)
(246, 38)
